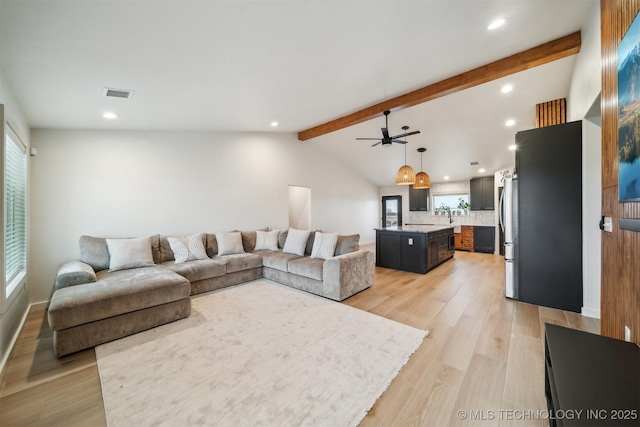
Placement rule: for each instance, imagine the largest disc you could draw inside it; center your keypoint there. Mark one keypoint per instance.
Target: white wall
(585, 90)
(11, 311)
(586, 79)
(121, 184)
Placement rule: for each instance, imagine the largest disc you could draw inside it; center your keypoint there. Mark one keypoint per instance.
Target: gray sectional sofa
(94, 302)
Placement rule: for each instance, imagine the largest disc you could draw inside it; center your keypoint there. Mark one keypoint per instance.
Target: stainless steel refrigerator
(541, 212)
(508, 223)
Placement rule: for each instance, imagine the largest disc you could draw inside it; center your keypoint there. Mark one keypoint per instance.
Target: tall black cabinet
(548, 253)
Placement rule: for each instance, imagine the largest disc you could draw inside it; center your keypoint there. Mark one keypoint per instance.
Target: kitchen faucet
(450, 219)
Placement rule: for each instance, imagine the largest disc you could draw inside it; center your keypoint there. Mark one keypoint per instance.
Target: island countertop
(416, 228)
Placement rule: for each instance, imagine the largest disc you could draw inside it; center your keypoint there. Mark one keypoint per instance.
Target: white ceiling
(238, 65)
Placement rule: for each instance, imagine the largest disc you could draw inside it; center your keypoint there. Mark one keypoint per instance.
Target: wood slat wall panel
(620, 294)
(551, 113)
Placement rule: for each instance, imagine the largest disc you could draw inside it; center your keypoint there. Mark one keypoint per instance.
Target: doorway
(299, 207)
(391, 211)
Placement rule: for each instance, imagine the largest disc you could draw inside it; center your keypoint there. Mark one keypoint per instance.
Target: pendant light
(406, 175)
(422, 178)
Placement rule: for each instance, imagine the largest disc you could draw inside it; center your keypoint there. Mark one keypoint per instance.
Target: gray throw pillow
(309, 247)
(129, 253)
(347, 244)
(211, 245)
(282, 238)
(94, 251)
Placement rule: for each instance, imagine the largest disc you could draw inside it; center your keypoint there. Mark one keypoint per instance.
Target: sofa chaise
(123, 286)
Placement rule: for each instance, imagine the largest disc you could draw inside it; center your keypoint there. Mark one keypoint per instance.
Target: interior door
(391, 211)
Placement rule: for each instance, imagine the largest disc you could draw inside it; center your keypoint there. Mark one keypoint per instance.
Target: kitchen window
(450, 200)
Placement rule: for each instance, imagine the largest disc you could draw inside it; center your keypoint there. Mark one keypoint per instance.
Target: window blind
(16, 210)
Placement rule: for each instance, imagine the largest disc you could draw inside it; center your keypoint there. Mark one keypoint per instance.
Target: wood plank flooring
(483, 355)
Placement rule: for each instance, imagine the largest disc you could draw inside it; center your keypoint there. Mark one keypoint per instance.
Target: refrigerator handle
(500, 210)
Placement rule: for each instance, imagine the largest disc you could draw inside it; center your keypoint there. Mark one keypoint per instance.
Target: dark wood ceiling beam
(543, 54)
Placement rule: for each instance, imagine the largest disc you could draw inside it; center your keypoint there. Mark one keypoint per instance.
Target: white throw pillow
(187, 248)
(267, 240)
(129, 253)
(229, 243)
(324, 245)
(296, 241)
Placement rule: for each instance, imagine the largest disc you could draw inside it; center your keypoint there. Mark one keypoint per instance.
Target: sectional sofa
(123, 286)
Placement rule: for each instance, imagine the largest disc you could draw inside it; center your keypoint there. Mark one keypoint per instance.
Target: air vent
(474, 163)
(118, 93)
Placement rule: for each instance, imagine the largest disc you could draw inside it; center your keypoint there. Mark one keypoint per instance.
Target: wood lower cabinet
(466, 243)
(458, 237)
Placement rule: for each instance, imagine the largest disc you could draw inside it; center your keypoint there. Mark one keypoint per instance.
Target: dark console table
(591, 380)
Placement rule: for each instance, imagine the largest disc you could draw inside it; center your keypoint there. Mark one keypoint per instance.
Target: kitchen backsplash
(472, 218)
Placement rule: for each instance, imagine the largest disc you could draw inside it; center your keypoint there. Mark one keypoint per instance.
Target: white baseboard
(591, 312)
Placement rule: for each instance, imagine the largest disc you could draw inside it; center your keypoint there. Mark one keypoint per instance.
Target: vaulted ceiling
(239, 65)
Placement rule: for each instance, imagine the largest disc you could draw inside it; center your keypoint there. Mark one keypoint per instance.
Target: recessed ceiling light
(510, 122)
(481, 170)
(446, 177)
(512, 147)
(274, 124)
(110, 116)
(497, 23)
(506, 88)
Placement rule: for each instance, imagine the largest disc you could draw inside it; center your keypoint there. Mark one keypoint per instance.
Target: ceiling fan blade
(400, 142)
(367, 139)
(377, 143)
(415, 132)
(385, 133)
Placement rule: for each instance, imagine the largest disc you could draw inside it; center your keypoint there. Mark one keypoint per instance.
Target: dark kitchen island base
(417, 249)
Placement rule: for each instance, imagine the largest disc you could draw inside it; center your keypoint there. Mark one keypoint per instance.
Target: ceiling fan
(387, 140)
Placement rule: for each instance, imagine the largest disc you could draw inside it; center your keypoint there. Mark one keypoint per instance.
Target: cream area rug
(257, 354)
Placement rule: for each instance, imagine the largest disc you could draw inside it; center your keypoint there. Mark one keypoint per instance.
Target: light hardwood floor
(483, 355)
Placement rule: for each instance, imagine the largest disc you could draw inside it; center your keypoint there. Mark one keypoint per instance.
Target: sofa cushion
(200, 269)
(129, 253)
(282, 238)
(115, 293)
(296, 241)
(324, 245)
(347, 244)
(74, 273)
(188, 248)
(229, 243)
(239, 262)
(309, 246)
(94, 251)
(156, 248)
(307, 267)
(211, 244)
(278, 260)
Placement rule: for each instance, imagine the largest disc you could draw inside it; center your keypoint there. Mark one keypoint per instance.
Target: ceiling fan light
(422, 181)
(405, 176)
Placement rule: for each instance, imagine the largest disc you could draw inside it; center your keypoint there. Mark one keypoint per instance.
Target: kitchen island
(414, 248)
